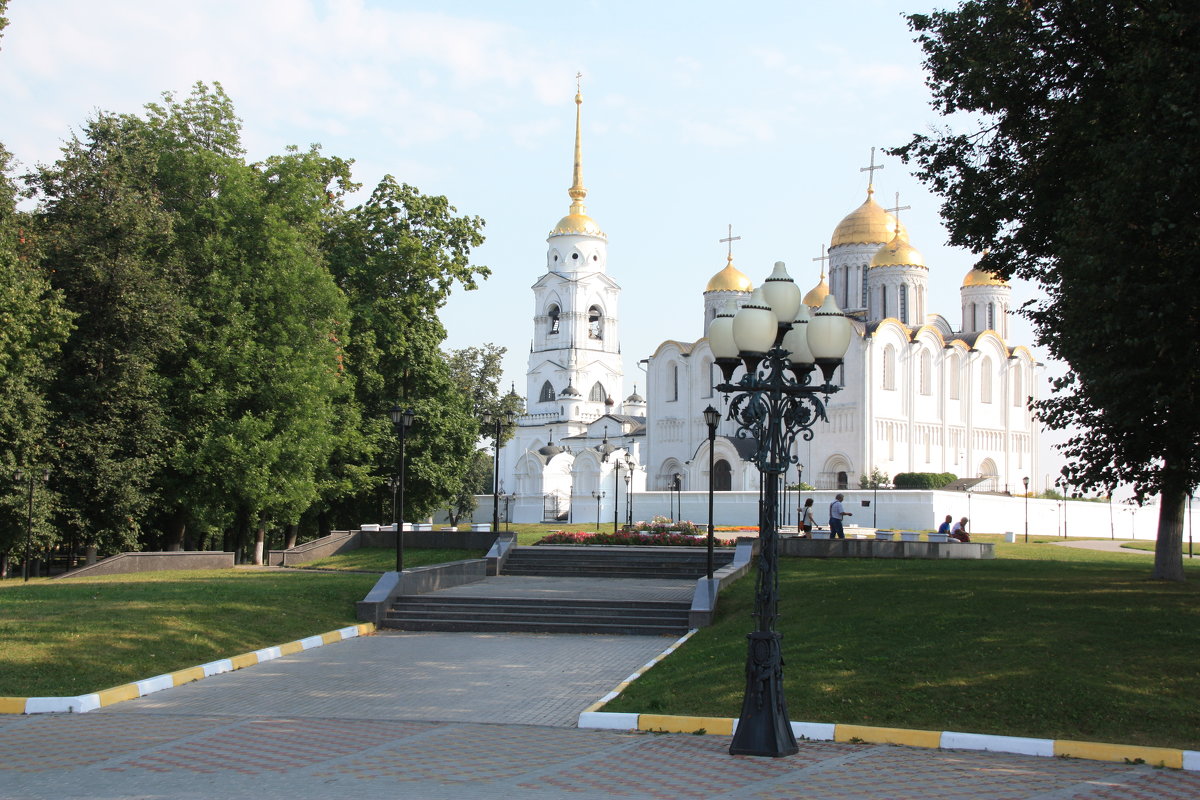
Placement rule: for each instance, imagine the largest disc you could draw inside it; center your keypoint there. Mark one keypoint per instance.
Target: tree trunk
(241, 527)
(1168, 547)
(176, 529)
(260, 544)
(3, 565)
(290, 533)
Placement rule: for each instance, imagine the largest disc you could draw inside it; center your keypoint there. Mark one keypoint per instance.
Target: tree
(878, 479)
(1081, 173)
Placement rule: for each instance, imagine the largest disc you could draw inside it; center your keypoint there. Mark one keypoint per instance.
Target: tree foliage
(1080, 171)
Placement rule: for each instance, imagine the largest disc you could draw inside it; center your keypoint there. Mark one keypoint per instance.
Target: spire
(870, 170)
(577, 192)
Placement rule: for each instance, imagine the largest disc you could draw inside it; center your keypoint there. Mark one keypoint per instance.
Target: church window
(722, 480)
(889, 368)
(595, 323)
(904, 304)
(553, 314)
(864, 294)
(926, 370)
(1018, 396)
(706, 368)
(955, 376)
(985, 380)
(575, 256)
(597, 394)
(674, 394)
(882, 301)
(843, 480)
(991, 316)
(547, 393)
(595, 258)
(974, 317)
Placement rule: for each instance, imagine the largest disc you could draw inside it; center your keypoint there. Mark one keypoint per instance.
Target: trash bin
(1010, 537)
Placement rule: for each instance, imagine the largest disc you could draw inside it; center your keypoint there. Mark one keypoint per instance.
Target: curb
(593, 717)
(131, 691)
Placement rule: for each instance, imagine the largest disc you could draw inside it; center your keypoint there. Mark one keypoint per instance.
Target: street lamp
(599, 496)
(402, 420)
(508, 498)
(774, 402)
(630, 466)
(20, 475)
(617, 464)
(498, 419)
(676, 486)
(711, 418)
(1025, 481)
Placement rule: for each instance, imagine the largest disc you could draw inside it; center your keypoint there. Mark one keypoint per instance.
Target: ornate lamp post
(676, 485)
(498, 420)
(774, 402)
(402, 420)
(21, 475)
(599, 496)
(711, 418)
(508, 498)
(1025, 481)
(617, 464)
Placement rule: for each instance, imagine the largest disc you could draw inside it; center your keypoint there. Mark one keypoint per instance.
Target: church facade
(919, 393)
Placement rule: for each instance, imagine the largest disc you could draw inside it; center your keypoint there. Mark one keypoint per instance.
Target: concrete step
(430, 612)
(613, 562)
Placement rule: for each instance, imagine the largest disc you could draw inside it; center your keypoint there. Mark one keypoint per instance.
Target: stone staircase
(661, 609)
(614, 562)
(535, 615)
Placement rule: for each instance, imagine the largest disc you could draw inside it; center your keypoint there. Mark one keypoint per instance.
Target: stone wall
(152, 562)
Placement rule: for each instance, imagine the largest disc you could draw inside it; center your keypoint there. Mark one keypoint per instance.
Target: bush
(633, 538)
(923, 480)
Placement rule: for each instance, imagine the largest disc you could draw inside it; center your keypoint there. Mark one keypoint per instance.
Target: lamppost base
(763, 728)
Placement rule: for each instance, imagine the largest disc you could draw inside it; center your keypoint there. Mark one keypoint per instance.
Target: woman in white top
(806, 517)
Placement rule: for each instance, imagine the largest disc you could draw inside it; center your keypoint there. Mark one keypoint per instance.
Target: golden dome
(817, 294)
(730, 279)
(898, 253)
(577, 223)
(867, 224)
(978, 277)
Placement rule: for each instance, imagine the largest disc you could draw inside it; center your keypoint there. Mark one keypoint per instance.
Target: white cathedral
(918, 395)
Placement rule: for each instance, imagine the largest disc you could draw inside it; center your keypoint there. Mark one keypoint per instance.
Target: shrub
(923, 480)
(632, 538)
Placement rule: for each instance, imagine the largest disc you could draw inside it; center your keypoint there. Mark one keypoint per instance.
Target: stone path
(455, 715)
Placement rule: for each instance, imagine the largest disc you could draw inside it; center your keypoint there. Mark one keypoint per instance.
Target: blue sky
(696, 115)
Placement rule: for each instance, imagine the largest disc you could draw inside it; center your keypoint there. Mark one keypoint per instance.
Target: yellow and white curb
(593, 717)
(130, 691)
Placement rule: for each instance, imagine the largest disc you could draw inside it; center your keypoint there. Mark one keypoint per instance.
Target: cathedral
(918, 393)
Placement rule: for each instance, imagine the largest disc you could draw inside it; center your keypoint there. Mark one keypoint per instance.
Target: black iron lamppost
(1025, 481)
(498, 419)
(599, 496)
(402, 420)
(508, 498)
(676, 485)
(774, 402)
(711, 418)
(617, 464)
(20, 475)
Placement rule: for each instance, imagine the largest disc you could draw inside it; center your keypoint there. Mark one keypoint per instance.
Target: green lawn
(1043, 641)
(1149, 546)
(78, 636)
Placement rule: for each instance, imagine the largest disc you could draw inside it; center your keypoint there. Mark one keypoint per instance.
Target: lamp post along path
(712, 418)
(782, 348)
(402, 420)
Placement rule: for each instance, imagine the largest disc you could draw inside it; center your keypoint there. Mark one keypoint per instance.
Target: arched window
(955, 376)
(882, 301)
(595, 323)
(926, 373)
(552, 312)
(597, 395)
(722, 477)
(1018, 396)
(985, 380)
(904, 304)
(889, 368)
(991, 316)
(864, 294)
(843, 480)
(674, 393)
(547, 393)
(974, 317)
(706, 369)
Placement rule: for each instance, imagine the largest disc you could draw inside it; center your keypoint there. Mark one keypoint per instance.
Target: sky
(696, 116)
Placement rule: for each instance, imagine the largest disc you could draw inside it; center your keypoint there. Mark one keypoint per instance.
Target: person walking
(836, 512)
(806, 518)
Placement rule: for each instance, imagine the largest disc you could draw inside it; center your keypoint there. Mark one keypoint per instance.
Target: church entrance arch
(555, 507)
(722, 478)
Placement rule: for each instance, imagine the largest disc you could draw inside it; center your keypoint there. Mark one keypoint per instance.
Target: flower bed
(633, 538)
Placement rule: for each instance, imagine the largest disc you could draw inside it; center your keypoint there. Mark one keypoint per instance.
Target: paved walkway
(455, 715)
(1104, 545)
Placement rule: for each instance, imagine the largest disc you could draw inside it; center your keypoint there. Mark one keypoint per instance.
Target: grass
(73, 637)
(1043, 641)
(383, 559)
(1149, 546)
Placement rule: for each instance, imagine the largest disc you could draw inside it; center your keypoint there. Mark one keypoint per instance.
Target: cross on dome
(870, 170)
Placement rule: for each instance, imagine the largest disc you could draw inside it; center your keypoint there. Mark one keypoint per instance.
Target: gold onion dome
(979, 277)
(816, 296)
(577, 221)
(730, 279)
(898, 253)
(866, 224)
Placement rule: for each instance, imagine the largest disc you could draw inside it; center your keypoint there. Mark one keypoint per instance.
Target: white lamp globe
(755, 325)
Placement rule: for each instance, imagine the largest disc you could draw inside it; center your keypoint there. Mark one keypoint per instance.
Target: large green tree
(1078, 165)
